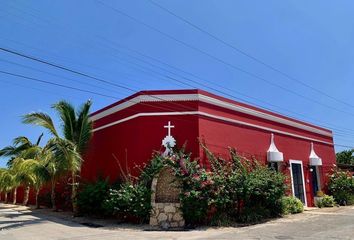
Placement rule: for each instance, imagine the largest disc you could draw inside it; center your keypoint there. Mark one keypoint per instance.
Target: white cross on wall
(169, 126)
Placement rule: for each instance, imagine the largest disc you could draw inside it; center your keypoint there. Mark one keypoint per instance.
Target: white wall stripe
(209, 100)
(272, 130)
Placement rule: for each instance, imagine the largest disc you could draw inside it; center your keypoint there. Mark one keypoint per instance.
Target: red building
(126, 133)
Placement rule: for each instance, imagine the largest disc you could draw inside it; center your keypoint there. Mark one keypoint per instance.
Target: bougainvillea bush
(222, 192)
(130, 200)
(227, 190)
(341, 186)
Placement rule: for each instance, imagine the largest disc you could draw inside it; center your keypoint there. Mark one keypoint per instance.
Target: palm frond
(39, 139)
(21, 140)
(84, 127)
(7, 151)
(40, 119)
(67, 115)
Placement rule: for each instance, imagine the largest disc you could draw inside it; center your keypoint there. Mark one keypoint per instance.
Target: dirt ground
(17, 222)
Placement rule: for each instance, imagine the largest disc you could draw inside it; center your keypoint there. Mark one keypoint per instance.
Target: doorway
(298, 181)
(315, 180)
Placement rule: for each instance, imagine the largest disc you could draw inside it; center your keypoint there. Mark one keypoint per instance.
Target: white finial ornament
(315, 160)
(273, 154)
(168, 142)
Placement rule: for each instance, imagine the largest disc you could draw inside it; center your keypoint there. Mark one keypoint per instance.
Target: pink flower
(183, 166)
(196, 177)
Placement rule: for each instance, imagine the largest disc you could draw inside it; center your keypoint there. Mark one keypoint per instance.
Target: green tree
(21, 147)
(68, 147)
(345, 157)
(20, 150)
(6, 182)
(37, 173)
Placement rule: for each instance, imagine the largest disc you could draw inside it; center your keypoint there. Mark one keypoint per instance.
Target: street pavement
(19, 223)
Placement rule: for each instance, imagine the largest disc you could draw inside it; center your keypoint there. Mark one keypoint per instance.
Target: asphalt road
(17, 223)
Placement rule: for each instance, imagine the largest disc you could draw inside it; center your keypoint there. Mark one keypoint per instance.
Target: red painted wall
(133, 141)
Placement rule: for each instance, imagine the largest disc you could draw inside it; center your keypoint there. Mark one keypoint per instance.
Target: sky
(292, 57)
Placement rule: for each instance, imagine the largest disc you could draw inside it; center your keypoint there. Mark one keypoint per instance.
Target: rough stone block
(153, 221)
(162, 217)
(177, 217)
(169, 209)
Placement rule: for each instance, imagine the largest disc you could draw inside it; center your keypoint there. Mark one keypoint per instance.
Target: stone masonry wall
(167, 214)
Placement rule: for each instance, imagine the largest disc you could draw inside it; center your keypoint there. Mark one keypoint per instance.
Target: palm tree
(76, 131)
(37, 173)
(16, 178)
(21, 149)
(56, 165)
(2, 186)
(6, 182)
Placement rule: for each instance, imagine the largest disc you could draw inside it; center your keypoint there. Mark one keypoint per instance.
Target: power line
(345, 146)
(238, 98)
(249, 55)
(206, 86)
(221, 60)
(85, 75)
(82, 90)
(62, 68)
(54, 84)
(53, 74)
(12, 83)
(184, 83)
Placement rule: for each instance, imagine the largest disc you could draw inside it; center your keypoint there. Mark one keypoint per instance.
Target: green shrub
(325, 201)
(236, 188)
(130, 200)
(265, 189)
(292, 205)
(91, 197)
(194, 207)
(341, 186)
(253, 214)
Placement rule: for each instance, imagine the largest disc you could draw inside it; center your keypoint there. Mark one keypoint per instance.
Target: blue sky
(310, 41)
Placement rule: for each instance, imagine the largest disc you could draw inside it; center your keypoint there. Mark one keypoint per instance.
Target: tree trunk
(74, 193)
(15, 196)
(5, 197)
(0, 195)
(37, 203)
(26, 196)
(52, 196)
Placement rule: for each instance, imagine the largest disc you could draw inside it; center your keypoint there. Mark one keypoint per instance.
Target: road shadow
(12, 216)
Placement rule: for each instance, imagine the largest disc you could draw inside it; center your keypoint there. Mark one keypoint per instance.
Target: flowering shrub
(325, 201)
(292, 205)
(341, 186)
(235, 188)
(130, 200)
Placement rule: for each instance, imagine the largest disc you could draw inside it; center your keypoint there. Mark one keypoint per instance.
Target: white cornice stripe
(263, 115)
(145, 98)
(272, 130)
(209, 100)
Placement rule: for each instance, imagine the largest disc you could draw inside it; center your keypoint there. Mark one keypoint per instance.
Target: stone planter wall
(166, 215)
(166, 212)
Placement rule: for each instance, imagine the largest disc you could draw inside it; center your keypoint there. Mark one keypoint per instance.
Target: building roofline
(155, 95)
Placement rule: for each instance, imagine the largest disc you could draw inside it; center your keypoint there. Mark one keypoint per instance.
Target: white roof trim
(230, 120)
(210, 100)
